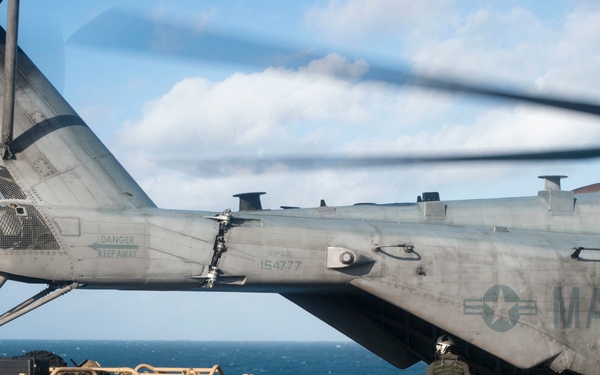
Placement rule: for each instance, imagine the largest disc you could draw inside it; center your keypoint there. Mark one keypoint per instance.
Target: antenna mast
(10, 68)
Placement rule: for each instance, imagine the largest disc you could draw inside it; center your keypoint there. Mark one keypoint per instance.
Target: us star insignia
(500, 307)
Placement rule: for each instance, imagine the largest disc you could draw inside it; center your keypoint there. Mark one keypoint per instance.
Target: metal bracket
(579, 249)
(341, 257)
(405, 248)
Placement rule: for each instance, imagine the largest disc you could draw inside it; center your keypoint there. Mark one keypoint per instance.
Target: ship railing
(139, 370)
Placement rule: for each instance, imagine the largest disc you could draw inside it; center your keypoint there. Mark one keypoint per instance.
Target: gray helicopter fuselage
(426, 257)
(150, 246)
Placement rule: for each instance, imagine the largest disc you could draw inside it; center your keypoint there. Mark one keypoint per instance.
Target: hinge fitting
(224, 219)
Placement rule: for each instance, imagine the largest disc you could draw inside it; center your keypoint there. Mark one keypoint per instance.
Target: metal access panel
(23, 366)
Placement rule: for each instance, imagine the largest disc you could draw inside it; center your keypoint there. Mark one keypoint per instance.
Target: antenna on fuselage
(552, 182)
(10, 68)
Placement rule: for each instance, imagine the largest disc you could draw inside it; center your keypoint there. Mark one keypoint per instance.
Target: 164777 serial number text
(280, 265)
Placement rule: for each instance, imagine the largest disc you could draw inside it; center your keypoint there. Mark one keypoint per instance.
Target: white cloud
(353, 18)
(247, 109)
(489, 44)
(335, 65)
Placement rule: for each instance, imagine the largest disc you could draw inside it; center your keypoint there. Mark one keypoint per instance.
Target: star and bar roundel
(500, 307)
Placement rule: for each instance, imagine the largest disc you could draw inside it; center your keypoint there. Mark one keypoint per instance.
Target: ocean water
(235, 358)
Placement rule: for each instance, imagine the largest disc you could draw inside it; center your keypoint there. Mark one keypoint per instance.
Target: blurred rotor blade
(116, 29)
(224, 167)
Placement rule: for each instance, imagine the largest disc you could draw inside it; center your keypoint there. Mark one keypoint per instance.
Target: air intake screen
(8, 187)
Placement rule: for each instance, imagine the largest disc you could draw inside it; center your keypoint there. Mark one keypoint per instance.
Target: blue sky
(147, 107)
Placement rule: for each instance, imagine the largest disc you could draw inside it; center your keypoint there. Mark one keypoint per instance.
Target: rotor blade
(221, 167)
(116, 29)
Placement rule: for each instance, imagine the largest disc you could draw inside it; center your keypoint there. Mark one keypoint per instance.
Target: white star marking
(501, 307)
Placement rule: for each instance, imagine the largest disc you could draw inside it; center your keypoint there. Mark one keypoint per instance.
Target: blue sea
(235, 358)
